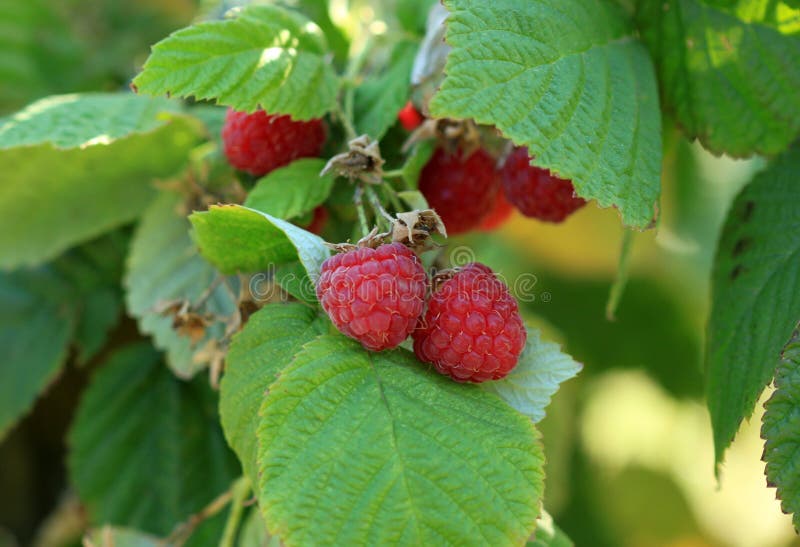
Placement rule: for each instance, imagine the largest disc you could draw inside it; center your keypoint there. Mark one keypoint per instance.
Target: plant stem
(393, 174)
(375, 202)
(362, 216)
(618, 287)
(240, 490)
(392, 194)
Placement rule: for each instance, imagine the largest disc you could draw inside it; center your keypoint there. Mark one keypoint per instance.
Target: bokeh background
(629, 446)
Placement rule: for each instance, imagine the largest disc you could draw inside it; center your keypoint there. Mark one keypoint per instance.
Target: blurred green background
(629, 447)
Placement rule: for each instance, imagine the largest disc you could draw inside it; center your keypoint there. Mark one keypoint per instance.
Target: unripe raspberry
(472, 330)
(536, 192)
(259, 142)
(374, 295)
(462, 190)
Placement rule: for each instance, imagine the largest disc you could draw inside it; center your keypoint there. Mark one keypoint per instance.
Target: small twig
(184, 530)
(209, 291)
(240, 489)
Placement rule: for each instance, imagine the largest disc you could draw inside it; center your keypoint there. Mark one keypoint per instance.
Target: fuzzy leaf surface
(781, 429)
(263, 57)
(567, 79)
(371, 448)
(542, 367)
(728, 70)
(755, 294)
(267, 344)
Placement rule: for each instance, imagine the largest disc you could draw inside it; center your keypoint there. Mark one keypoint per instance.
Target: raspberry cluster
(471, 331)
(469, 191)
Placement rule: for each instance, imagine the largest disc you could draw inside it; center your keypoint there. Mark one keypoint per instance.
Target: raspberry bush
(270, 275)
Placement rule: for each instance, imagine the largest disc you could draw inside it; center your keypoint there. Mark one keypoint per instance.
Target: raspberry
(409, 117)
(462, 190)
(374, 295)
(472, 330)
(259, 142)
(318, 220)
(500, 213)
(536, 192)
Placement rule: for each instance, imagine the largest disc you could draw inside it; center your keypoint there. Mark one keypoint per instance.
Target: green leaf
(541, 369)
(81, 120)
(781, 430)
(318, 11)
(57, 303)
(416, 161)
(62, 197)
(94, 271)
(33, 310)
(239, 239)
(254, 532)
(137, 422)
(755, 296)
(109, 536)
(39, 53)
(413, 14)
(379, 99)
(547, 534)
(164, 267)
(291, 191)
(566, 79)
(414, 199)
(728, 70)
(268, 343)
(371, 448)
(264, 57)
(293, 279)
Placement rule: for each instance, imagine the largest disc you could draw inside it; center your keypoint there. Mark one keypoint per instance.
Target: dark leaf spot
(741, 245)
(736, 271)
(747, 211)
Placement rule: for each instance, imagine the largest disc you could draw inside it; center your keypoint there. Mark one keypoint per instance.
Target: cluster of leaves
(341, 445)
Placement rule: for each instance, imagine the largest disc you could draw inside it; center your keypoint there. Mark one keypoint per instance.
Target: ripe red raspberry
(536, 192)
(462, 190)
(500, 213)
(472, 330)
(259, 142)
(409, 117)
(374, 295)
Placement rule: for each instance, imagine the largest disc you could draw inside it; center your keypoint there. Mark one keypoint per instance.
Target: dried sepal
(452, 135)
(362, 161)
